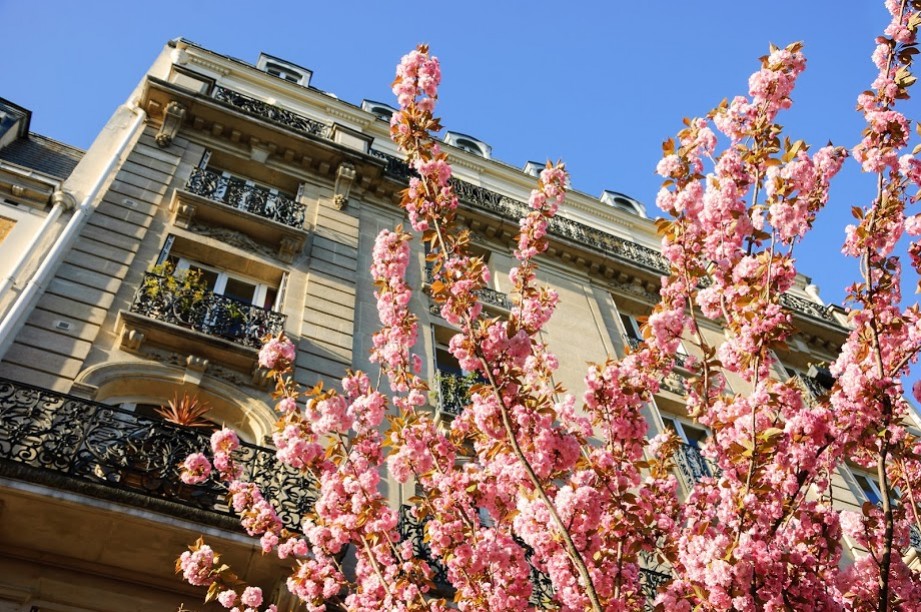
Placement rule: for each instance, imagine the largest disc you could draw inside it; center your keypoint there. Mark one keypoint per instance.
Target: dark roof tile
(42, 154)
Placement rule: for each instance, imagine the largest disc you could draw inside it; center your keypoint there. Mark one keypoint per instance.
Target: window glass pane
(694, 435)
(240, 290)
(208, 277)
(630, 327)
(868, 488)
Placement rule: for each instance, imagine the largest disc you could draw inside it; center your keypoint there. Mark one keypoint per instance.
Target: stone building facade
(271, 191)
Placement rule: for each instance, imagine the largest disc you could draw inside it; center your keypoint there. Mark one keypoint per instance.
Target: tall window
(230, 285)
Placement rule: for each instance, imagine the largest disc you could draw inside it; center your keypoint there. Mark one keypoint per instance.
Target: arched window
(284, 70)
(623, 202)
(468, 143)
(382, 111)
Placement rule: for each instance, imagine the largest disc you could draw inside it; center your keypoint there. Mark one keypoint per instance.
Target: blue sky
(598, 84)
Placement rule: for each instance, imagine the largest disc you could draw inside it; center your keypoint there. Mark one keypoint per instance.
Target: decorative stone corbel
(345, 176)
(172, 121)
(195, 367)
(184, 213)
(260, 377)
(288, 248)
(132, 339)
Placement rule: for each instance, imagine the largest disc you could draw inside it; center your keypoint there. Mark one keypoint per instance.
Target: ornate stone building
(271, 192)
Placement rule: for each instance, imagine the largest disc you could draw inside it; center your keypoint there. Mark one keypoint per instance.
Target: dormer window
(534, 168)
(284, 70)
(623, 202)
(469, 144)
(379, 109)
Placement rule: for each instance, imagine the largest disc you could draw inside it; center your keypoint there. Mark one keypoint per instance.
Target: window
(690, 461)
(868, 487)
(379, 109)
(230, 285)
(534, 168)
(284, 70)
(469, 144)
(632, 332)
(6, 226)
(623, 202)
(690, 434)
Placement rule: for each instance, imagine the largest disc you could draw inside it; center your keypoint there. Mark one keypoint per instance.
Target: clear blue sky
(599, 84)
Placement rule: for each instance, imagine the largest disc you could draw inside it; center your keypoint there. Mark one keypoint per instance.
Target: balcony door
(237, 288)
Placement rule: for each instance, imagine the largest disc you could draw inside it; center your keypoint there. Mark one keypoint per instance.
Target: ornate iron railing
(452, 391)
(413, 530)
(494, 298)
(579, 233)
(395, 167)
(692, 464)
(650, 582)
(542, 590)
(271, 113)
(808, 307)
(163, 299)
(53, 434)
(486, 295)
(811, 388)
(236, 193)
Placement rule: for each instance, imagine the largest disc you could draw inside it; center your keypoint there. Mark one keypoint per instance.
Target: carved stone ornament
(345, 176)
(172, 120)
(132, 339)
(233, 238)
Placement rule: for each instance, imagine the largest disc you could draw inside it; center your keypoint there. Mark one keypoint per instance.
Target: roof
(42, 154)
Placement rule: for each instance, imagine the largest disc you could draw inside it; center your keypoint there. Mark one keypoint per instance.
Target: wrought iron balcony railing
(812, 390)
(486, 295)
(579, 233)
(69, 442)
(453, 390)
(693, 465)
(650, 582)
(270, 112)
(160, 298)
(413, 529)
(236, 193)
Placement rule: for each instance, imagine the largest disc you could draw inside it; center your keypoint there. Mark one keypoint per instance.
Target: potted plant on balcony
(153, 453)
(174, 296)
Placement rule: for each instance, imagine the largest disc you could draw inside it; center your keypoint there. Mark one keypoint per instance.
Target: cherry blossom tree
(527, 476)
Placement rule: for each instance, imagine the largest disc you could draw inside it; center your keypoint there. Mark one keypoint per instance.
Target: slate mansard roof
(42, 154)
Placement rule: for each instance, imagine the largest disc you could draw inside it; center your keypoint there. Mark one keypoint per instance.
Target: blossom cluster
(526, 481)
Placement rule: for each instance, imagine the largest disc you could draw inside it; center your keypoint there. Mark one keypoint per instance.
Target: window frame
(260, 291)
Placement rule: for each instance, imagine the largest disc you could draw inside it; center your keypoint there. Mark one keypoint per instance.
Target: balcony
(487, 296)
(453, 391)
(241, 195)
(213, 199)
(672, 381)
(271, 113)
(99, 450)
(222, 328)
(692, 464)
(413, 529)
(650, 583)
